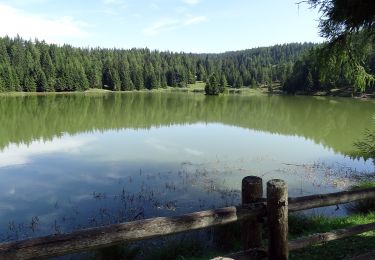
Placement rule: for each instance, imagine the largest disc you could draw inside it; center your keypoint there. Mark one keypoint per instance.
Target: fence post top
(276, 184)
(252, 179)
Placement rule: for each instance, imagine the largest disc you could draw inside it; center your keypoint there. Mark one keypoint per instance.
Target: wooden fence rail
(253, 208)
(329, 236)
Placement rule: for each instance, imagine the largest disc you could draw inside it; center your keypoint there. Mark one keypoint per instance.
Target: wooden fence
(275, 208)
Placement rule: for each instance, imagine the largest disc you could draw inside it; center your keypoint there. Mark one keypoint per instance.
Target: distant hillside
(37, 66)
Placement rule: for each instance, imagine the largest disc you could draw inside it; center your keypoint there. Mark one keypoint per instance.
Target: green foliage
(29, 84)
(2, 85)
(213, 87)
(111, 78)
(342, 17)
(366, 146)
(309, 81)
(124, 74)
(302, 225)
(334, 66)
(65, 68)
(9, 79)
(41, 82)
(201, 73)
(349, 27)
(223, 83)
(137, 78)
(163, 81)
(253, 83)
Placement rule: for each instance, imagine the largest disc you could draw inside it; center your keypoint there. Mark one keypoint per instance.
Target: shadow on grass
(120, 252)
(340, 249)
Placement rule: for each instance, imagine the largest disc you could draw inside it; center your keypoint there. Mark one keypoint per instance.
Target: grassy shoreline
(198, 87)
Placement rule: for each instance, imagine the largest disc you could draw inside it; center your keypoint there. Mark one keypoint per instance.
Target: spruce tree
(29, 84)
(212, 86)
(223, 84)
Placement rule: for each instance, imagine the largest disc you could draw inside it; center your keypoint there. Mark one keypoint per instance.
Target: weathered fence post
(252, 191)
(277, 218)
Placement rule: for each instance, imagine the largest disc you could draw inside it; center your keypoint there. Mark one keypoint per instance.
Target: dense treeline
(37, 66)
(326, 67)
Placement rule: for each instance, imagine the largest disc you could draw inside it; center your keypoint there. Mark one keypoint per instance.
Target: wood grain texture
(329, 236)
(252, 192)
(277, 219)
(323, 200)
(93, 238)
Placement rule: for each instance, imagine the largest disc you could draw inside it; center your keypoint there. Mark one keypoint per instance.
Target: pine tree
(201, 75)
(124, 74)
(41, 83)
(2, 85)
(163, 81)
(309, 82)
(65, 68)
(223, 84)
(8, 78)
(29, 84)
(137, 78)
(212, 86)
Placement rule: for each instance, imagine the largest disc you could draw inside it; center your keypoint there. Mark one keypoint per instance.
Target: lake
(70, 161)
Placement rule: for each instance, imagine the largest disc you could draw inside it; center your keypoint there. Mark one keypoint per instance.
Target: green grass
(198, 86)
(338, 249)
(299, 225)
(97, 90)
(364, 185)
(247, 91)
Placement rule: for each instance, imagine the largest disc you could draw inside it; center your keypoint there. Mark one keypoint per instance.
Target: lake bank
(198, 87)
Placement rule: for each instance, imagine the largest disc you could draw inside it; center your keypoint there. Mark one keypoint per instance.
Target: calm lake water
(72, 161)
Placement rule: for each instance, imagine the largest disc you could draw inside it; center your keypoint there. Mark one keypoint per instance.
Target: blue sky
(175, 25)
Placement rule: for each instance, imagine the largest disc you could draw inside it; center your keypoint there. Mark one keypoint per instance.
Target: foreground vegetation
(366, 146)
(227, 239)
(347, 60)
